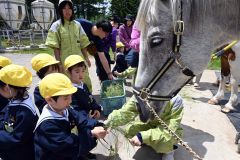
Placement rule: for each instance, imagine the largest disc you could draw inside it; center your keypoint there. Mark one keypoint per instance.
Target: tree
(124, 7)
(89, 9)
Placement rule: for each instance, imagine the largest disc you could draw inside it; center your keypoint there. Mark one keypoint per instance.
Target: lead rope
(165, 126)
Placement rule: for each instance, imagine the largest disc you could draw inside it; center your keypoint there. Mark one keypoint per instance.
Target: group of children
(61, 121)
(66, 127)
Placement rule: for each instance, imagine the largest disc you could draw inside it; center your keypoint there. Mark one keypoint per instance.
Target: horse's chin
(144, 113)
(158, 107)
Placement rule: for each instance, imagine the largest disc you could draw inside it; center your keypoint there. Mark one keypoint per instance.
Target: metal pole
(33, 34)
(19, 37)
(29, 22)
(3, 33)
(8, 35)
(43, 35)
(9, 14)
(9, 18)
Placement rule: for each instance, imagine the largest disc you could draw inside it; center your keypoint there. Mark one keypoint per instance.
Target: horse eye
(155, 41)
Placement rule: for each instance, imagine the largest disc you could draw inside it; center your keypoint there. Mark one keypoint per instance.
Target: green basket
(109, 102)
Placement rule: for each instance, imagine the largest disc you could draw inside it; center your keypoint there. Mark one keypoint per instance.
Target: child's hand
(135, 141)
(110, 76)
(94, 114)
(99, 132)
(117, 74)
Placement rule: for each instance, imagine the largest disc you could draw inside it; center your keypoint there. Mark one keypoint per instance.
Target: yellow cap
(42, 60)
(119, 45)
(72, 60)
(4, 61)
(56, 84)
(16, 75)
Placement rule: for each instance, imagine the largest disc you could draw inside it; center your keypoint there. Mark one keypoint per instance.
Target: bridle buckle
(144, 93)
(179, 27)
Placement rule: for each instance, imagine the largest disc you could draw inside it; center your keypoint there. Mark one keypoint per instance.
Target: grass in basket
(113, 90)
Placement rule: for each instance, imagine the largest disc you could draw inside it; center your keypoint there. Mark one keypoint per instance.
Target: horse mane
(144, 12)
(224, 13)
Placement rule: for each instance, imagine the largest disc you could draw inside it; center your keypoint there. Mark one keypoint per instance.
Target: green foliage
(89, 9)
(215, 64)
(36, 51)
(5, 43)
(92, 10)
(112, 90)
(124, 7)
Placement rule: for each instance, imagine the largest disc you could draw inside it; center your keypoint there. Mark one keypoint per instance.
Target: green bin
(112, 102)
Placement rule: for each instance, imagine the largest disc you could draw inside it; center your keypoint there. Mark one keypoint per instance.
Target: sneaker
(196, 85)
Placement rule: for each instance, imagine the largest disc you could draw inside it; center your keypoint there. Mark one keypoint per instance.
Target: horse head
(177, 38)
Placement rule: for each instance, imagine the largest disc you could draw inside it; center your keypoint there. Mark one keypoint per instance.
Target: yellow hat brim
(65, 92)
(72, 64)
(48, 64)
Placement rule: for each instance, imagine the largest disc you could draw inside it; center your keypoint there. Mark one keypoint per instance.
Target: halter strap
(178, 27)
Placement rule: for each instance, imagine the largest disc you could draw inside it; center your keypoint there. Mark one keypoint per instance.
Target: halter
(175, 57)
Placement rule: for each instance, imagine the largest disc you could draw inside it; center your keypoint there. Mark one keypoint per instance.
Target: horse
(177, 38)
(229, 67)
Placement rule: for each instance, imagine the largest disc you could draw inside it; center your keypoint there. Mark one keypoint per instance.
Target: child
(53, 139)
(150, 133)
(4, 61)
(82, 100)
(133, 55)
(43, 64)
(121, 64)
(20, 117)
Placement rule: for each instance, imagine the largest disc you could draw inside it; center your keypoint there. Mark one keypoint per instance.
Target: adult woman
(125, 31)
(66, 36)
(115, 22)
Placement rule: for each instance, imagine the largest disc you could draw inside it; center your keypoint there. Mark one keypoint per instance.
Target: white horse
(171, 56)
(232, 66)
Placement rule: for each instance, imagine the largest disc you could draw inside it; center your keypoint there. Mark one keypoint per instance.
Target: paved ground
(207, 130)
